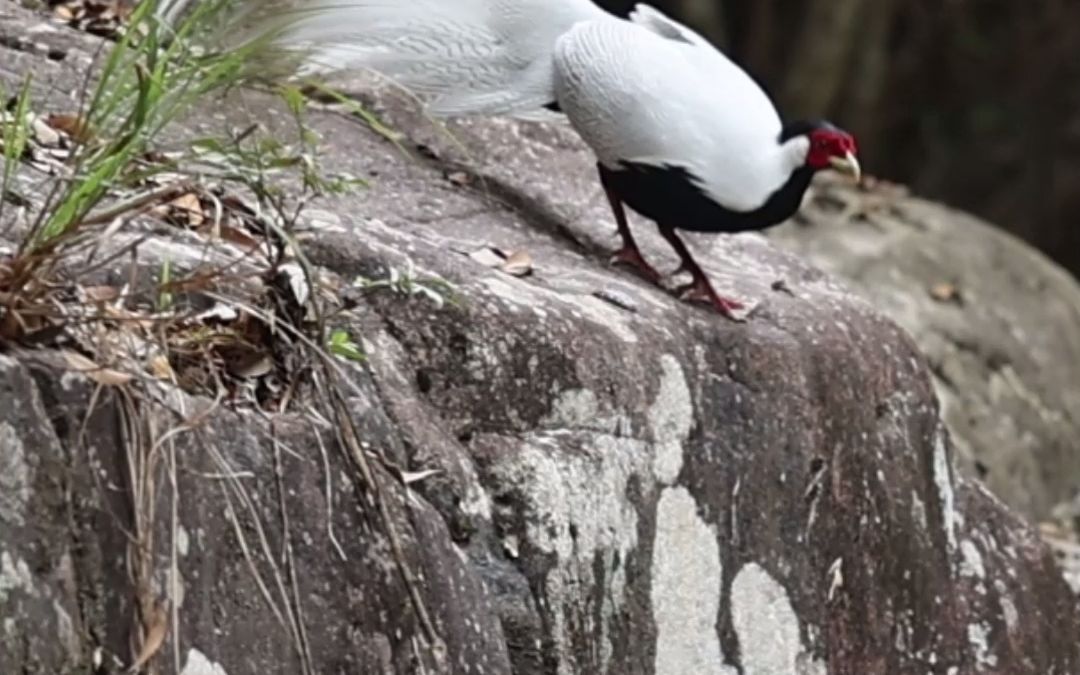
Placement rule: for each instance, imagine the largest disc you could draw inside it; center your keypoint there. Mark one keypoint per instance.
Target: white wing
(653, 91)
(659, 23)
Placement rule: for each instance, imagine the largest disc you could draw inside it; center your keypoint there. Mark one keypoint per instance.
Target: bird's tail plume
(490, 57)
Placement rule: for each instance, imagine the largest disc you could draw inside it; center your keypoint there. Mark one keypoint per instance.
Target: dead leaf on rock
(231, 235)
(488, 256)
(294, 277)
(64, 12)
(459, 178)
(161, 368)
(155, 628)
(104, 376)
(134, 319)
(218, 314)
(519, 264)
(187, 208)
(946, 292)
(100, 293)
(251, 365)
(71, 125)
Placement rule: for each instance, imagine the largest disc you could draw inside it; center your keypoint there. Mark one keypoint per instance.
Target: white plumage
(647, 89)
(491, 57)
(683, 135)
(635, 95)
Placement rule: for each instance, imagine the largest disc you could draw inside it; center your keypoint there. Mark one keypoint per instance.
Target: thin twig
(329, 494)
(305, 651)
(152, 198)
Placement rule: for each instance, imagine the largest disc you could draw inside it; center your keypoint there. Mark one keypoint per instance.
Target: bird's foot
(700, 290)
(629, 256)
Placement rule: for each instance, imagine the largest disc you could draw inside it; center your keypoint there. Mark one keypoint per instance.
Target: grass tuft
(154, 75)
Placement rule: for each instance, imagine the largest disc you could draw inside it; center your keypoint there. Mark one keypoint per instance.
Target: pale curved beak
(847, 165)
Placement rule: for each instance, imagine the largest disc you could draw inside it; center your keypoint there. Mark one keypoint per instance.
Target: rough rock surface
(654, 490)
(998, 322)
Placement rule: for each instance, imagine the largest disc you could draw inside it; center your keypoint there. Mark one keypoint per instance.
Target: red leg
(629, 254)
(699, 289)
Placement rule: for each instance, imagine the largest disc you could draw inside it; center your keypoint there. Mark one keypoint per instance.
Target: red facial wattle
(835, 149)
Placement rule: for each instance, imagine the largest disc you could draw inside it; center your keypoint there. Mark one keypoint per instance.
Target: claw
(631, 257)
(700, 290)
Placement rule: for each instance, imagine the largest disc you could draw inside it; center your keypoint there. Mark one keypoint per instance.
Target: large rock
(998, 321)
(625, 483)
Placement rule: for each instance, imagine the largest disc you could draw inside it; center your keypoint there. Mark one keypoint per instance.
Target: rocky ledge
(567, 471)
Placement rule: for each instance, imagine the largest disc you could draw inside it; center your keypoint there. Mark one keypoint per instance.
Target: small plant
(342, 345)
(406, 282)
(14, 135)
(165, 298)
(153, 75)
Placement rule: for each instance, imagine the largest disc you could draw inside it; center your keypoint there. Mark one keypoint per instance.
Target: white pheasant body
(647, 90)
(636, 96)
(683, 135)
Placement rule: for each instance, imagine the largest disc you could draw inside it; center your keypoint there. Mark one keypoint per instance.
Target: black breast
(672, 197)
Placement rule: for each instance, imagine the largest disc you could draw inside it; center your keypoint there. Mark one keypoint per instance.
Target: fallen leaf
(230, 234)
(488, 256)
(251, 366)
(155, 628)
(459, 178)
(519, 264)
(100, 293)
(293, 275)
(219, 313)
(190, 208)
(72, 125)
(127, 316)
(104, 376)
(161, 368)
(946, 292)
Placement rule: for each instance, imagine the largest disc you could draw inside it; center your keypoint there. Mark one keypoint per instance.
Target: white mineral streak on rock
(971, 563)
(685, 588)
(198, 664)
(576, 507)
(15, 476)
(767, 626)
(943, 481)
(671, 417)
(979, 639)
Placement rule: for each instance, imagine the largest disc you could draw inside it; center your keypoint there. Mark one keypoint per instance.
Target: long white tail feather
(648, 90)
(486, 57)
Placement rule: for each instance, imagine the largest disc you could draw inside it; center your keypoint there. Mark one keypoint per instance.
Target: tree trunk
(869, 72)
(818, 64)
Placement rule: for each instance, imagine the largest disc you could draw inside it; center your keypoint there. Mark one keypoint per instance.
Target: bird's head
(827, 147)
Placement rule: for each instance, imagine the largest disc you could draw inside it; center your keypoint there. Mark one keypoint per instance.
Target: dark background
(973, 102)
